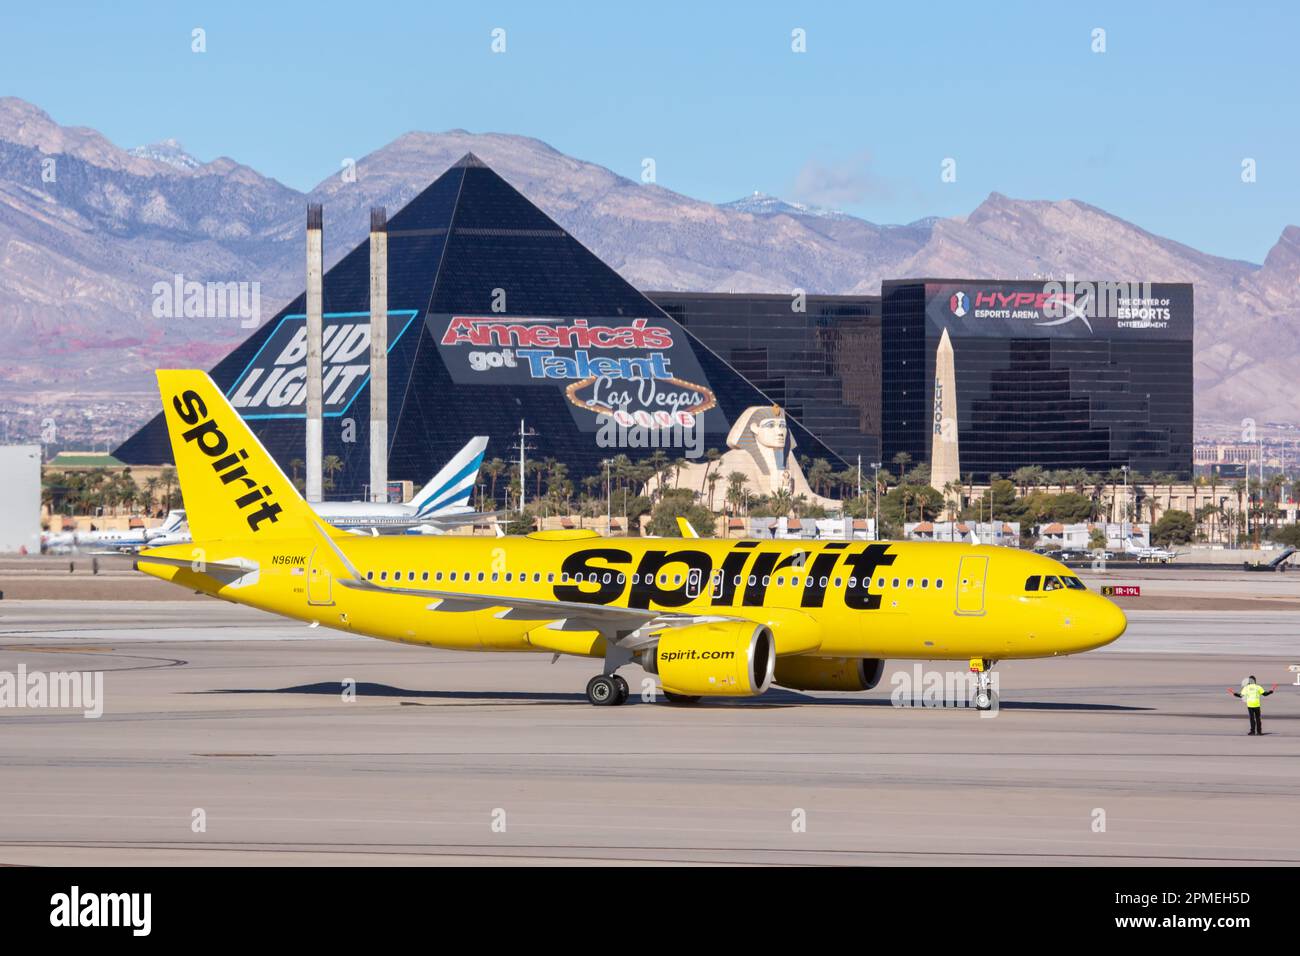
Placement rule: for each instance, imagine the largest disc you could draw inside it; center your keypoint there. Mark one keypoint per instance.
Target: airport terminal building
(496, 315)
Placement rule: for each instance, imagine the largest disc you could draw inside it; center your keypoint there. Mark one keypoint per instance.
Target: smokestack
(378, 354)
(315, 321)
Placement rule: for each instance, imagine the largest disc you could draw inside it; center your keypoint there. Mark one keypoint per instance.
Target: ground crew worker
(1252, 694)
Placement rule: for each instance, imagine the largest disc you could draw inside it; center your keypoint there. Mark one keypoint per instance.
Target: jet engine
(720, 659)
(829, 673)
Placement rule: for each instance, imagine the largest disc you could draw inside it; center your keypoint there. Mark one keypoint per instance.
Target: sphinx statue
(761, 447)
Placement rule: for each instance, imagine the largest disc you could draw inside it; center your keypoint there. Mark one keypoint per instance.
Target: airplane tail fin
(172, 522)
(231, 485)
(453, 485)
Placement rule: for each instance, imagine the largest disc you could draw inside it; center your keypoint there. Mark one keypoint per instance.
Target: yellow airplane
(709, 617)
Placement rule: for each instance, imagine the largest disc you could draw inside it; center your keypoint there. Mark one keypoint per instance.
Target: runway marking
(88, 649)
(562, 851)
(232, 755)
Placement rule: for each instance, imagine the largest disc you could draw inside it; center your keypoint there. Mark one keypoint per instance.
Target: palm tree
(780, 502)
(536, 467)
(331, 465)
(737, 495)
(494, 468)
(952, 489)
(168, 476)
(1239, 487)
(713, 479)
(819, 473)
(151, 486)
(590, 503)
(1024, 477)
(678, 466)
(711, 457)
(658, 462)
(1214, 500)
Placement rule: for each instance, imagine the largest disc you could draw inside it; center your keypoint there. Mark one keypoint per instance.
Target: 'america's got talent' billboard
(638, 371)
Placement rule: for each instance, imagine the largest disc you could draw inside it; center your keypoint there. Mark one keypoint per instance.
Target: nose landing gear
(985, 697)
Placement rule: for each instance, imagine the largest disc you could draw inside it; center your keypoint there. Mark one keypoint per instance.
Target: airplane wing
(439, 522)
(686, 528)
(631, 628)
(430, 524)
(390, 526)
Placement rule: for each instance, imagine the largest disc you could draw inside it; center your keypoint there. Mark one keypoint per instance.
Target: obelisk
(945, 465)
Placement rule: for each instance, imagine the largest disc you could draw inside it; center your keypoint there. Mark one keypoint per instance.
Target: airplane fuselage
(835, 598)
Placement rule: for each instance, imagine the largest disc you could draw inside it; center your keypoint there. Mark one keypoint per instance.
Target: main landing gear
(608, 689)
(985, 697)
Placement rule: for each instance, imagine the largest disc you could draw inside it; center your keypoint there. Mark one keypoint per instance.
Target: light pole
(524, 448)
(875, 501)
(609, 502)
(1260, 522)
(1123, 515)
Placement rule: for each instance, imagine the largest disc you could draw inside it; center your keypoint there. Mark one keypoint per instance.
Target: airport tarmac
(1134, 754)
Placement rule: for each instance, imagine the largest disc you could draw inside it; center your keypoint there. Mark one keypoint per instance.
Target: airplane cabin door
(970, 584)
(320, 583)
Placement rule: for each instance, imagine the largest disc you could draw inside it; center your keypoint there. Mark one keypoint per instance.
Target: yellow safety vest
(1252, 694)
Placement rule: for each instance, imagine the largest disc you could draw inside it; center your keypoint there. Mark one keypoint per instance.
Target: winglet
(686, 528)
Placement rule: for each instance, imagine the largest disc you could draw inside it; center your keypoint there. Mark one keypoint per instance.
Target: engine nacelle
(829, 673)
(722, 659)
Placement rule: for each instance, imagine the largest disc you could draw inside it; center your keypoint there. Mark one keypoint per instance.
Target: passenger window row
(610, 577)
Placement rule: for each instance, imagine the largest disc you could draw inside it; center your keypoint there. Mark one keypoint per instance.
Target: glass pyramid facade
(496, 314)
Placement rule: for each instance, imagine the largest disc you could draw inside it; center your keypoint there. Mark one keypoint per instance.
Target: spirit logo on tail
(207, 435)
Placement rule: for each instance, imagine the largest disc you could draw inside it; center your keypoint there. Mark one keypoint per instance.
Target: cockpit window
(1052, 583)
(1031, 583)
(1074, 584)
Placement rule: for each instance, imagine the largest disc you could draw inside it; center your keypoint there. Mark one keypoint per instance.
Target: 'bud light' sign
(274, 384)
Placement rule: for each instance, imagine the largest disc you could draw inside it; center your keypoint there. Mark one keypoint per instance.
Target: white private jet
(112, 542)
(440, 505)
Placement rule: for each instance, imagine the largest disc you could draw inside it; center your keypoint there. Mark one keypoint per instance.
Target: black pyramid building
(496, 314)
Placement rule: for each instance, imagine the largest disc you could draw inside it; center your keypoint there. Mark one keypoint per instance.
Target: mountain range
(87, 228)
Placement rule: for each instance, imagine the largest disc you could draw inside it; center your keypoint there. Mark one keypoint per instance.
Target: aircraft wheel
(602, 691)
(623, 690)
(985, 699)
(680, 698)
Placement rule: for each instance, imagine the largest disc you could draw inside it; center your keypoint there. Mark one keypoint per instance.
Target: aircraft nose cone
(1111, 621)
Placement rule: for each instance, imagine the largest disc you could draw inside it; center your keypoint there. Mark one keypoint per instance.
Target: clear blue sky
(1154, 130)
